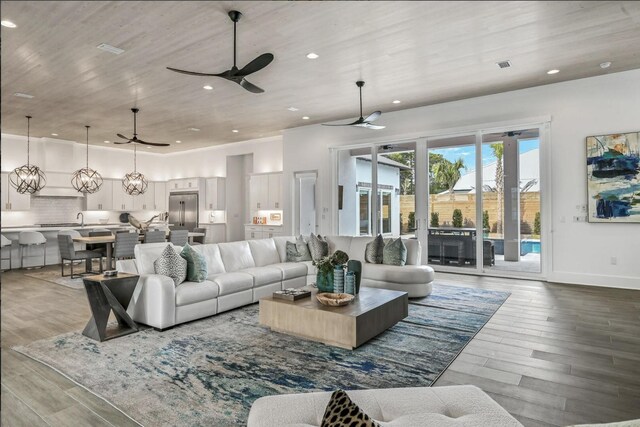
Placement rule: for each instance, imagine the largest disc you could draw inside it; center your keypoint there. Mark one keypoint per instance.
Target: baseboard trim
(622, 282)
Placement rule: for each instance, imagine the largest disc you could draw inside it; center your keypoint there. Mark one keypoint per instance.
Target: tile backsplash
(45, 210)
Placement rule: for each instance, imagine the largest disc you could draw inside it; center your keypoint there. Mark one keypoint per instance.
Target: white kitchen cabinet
(160, 196)
(121, 200)
(259, 192)
(252, 232)
(216, 233)
(183, 184)
(146, 201)
(215, 194)
(275, 191)
(13, 201)
(102, 200)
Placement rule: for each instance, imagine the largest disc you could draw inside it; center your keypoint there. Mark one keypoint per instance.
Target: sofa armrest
(154, 301)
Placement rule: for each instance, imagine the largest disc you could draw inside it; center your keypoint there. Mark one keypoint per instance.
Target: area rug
(209, 372)
(54, 276)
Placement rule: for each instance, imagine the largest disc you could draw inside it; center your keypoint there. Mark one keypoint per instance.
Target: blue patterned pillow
(171, 264)
(394, 253)
(196, 264)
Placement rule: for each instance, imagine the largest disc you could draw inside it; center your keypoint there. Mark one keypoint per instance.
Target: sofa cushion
(264, 275)
(374, 250)
(318, 247)
(291, 270)
(414, 251)
(398, 274)
(394, 253)
(236, 255)
(264, 252)
(196, 264)
(230, 283)
(192, 292)
(211, 253)
(281, 242)
(147, 253)
(311, 269)
(341, 411)
(172, 265)
(339, 243)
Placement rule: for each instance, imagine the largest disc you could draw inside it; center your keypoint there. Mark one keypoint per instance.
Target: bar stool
(32, 238)
(6, 243)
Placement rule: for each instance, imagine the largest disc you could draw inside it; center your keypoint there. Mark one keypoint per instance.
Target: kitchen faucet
(81, 215)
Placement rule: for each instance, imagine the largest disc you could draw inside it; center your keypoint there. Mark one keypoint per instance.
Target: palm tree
(498, 152)
(447, 174)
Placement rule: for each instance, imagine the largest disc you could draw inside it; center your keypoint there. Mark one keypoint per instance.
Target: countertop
(17, 229)
(263, 225)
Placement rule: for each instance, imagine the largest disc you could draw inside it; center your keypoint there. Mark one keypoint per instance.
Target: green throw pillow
(196, 264)
(394, 253)
(373, 251)
(298, 251)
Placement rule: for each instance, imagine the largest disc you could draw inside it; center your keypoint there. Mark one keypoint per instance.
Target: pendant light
(134, 183)
(86, 180)
(27, 179)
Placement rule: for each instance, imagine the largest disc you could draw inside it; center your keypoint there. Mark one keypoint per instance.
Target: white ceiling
(419, 52)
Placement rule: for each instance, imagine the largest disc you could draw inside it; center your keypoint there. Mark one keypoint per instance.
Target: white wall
(579, 108)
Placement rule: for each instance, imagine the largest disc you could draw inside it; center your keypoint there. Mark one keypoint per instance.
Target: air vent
(504, 64)
(110, 49)
(23, 95)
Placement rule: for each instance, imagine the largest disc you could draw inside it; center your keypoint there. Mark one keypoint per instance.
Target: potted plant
(325, 267)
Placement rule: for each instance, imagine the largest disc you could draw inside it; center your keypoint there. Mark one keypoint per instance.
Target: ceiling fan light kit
(86, 180)
(28, 178)
(234, 74)
(362, 121)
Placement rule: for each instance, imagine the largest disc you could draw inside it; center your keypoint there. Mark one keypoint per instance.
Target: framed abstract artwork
(613, 178)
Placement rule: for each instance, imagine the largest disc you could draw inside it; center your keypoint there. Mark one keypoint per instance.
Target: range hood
(58, 192)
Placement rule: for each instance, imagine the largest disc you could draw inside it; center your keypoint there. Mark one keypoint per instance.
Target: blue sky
(468, 153)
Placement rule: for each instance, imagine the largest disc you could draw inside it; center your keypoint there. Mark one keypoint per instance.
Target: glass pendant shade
(86, 180)
(28, 179)
(134, 183)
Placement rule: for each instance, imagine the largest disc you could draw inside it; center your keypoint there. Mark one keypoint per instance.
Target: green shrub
(536, 224)
(485, 220)
(456, 219)
(435, 219)
(412, 221)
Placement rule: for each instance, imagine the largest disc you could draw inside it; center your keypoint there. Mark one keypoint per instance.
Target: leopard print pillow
(342, 412)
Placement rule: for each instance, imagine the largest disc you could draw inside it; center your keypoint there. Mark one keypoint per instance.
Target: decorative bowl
(334, 300)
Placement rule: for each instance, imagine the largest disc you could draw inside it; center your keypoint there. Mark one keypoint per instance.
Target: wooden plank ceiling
(418, 52)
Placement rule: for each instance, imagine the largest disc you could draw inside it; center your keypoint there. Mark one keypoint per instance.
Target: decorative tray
(334, 300)
(292, 294)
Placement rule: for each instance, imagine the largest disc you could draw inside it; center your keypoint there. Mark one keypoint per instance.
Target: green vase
(324, 281)
(356, 267)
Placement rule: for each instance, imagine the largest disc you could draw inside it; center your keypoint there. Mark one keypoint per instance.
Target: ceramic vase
(324, 281)
(356, 267)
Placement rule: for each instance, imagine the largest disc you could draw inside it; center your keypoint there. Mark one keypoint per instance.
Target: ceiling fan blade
(122, 136)
(343, 124)
(250, 86)
(356, 123)
(192, 73)
(372, 127)
(256, 65)
(155, 144)
(121, 142)
(373, 116)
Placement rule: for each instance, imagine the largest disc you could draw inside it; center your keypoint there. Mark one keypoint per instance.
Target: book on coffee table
(292, 294)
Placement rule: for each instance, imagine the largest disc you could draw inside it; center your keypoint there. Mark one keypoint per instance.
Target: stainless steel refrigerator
(183, 210)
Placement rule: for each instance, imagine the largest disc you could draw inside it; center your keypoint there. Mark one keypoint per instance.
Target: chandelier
(27, 179)
(86, 180)
(134, 183)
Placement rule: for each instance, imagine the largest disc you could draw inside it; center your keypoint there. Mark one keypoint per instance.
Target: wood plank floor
(552, 355)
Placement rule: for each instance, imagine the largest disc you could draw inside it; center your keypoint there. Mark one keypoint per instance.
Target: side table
(106, 294)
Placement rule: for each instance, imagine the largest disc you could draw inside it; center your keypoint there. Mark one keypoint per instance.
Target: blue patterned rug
(209, 372)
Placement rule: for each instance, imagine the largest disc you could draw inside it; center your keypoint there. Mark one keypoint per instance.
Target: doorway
(237, 195)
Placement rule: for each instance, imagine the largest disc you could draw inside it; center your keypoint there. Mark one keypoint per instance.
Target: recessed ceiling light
(553, 71)
(178, 142)
(605, 64)
(293, 109)
(23, 95)
(235, 131)
(54, 134)
(305, 117)
(107, 142)
(149, 147)
(312, 55)
(194, 129)
(207, 87)
(396, 101)
(8, 24)
(110, 49)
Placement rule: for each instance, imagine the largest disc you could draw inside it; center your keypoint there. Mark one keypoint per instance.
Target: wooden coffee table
(372, 312)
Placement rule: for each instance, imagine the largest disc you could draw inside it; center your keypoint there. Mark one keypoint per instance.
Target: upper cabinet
(265, 191)
(121, 200)
(12, 200)
(215, 194)
(183, 184)
(146, 201)
(102, 200)
(160, 196)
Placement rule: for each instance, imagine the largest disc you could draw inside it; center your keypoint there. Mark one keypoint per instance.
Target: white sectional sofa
(240, 273)
(451, 406)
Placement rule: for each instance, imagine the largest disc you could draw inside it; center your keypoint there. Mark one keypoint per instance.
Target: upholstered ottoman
(416, 407)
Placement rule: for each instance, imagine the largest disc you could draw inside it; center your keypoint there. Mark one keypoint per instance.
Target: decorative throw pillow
(341, 411)
(394, 253)
(196, 264)
(318, 247)
(171, 264)
(298, 251)
(373, 251)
